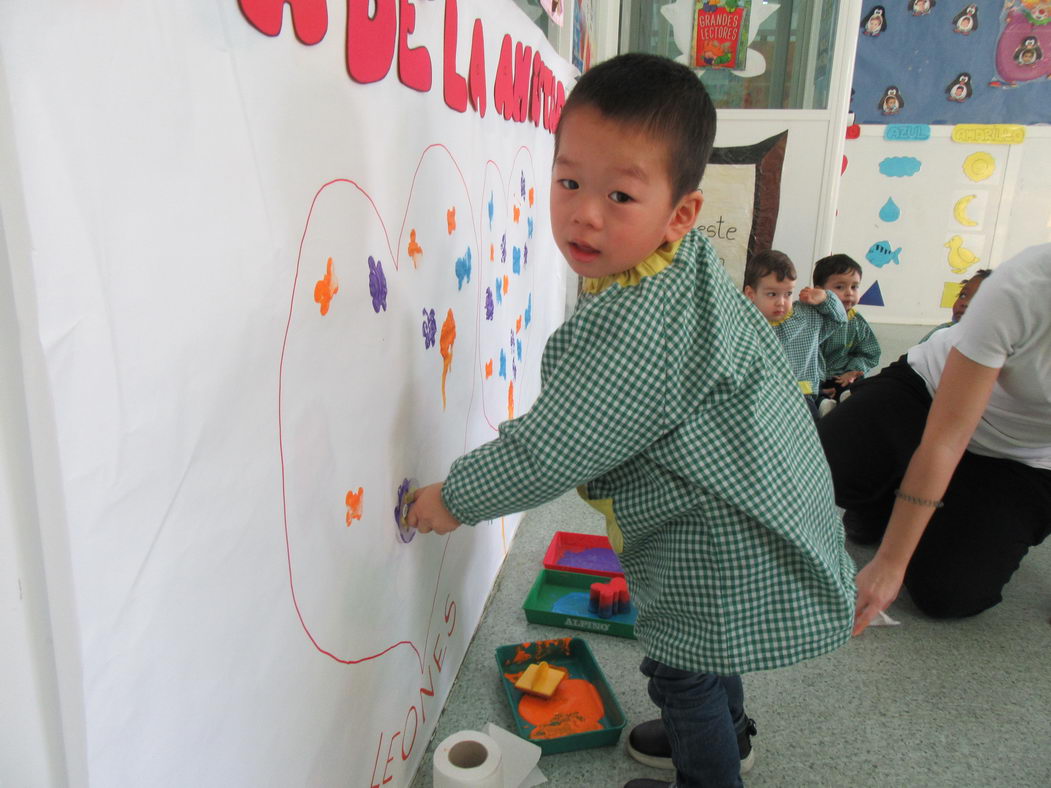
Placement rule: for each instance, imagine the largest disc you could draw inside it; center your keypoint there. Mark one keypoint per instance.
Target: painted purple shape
(405, 533)
(522, 185)
(489, 306)
(377, 285)
(503, 248)
(601, 558)
(430, 328)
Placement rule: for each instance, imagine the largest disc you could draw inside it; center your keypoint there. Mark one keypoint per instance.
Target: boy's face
(611, 196)
(847, 286)
(963, 300)
(773, 298)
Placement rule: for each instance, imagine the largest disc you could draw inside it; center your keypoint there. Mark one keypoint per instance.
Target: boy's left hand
(813, 295)
(849, 377)
(428, 513)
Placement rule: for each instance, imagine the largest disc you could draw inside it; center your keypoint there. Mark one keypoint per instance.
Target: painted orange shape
(445, 345)
(517, 214)
(325, 289)
(530, 196)
(505, 284)
(354, 503)
(450, 217)
(511, 400)
(488, 369)
(492, 253)
(518, 324)
(415, 250)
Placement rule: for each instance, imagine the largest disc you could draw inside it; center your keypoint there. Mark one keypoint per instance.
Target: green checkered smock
(852, 345)
(670, 401)
(801, 333)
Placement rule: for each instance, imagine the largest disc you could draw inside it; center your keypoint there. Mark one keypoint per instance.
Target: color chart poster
(289, 260)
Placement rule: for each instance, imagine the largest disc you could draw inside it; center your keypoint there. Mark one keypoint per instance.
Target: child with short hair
(769, 279)
(963, 299)
(852, 349)
(666, 403)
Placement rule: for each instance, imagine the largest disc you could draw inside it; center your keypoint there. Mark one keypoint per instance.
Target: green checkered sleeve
(853, 346)
(601, 404)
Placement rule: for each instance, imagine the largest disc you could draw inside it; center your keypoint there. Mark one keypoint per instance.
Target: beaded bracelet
(918, 501)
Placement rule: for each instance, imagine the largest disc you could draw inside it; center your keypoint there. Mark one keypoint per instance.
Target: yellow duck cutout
(960, 258)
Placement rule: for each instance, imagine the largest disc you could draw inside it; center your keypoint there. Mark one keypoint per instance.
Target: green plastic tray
(553, 589)
(574, 655)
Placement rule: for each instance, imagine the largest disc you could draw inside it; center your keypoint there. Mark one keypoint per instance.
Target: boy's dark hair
(765, 263)
(660, 97)
(980, 274)
(835, 264)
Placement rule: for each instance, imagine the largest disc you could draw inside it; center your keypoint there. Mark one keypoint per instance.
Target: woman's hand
(878, 585)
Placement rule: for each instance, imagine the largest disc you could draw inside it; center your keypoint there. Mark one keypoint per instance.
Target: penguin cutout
(892, 102)
(966, 22)
(1028, 53)
(875, 23)
(960, 88)
(920, 7)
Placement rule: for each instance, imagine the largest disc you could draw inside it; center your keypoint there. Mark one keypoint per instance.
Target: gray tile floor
(927, 703)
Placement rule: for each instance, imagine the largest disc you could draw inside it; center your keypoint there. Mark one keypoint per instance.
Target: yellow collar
(782, 320)
(654, 264)
(851, 314)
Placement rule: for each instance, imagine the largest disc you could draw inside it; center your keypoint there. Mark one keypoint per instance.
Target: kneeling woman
(945, 456)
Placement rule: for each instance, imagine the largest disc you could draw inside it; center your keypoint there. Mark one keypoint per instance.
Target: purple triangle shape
(873, 296)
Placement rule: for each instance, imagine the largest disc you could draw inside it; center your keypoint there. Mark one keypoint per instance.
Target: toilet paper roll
(468, 759)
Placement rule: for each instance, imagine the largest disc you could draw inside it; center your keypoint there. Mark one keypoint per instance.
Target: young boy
(665, 402)
(963, 299)
(852, 349)
(769, 278)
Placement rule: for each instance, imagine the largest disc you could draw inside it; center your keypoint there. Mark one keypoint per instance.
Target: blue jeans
(702, 713)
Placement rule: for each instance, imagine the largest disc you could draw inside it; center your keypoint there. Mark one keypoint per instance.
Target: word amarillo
(525, 88)
(413, 715)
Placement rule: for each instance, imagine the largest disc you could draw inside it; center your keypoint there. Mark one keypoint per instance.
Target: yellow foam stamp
(540, 679)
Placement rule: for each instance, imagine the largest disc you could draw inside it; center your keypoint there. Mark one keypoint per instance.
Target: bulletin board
(952, 61)
(922, 211)
(287, 261)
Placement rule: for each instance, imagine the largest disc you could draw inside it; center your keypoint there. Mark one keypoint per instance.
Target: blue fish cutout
(879, 254)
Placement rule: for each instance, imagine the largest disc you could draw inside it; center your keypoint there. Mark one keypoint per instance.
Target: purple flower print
(377, 285)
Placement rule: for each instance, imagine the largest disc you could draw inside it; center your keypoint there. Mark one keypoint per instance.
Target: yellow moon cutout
(959, 210)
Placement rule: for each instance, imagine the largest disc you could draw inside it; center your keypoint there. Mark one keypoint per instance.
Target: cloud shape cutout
(900, 166)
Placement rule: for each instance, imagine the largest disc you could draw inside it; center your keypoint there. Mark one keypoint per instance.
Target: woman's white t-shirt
(1007, 326)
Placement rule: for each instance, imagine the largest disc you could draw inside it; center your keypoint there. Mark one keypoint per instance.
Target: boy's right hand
(427, 512)
(813, 295)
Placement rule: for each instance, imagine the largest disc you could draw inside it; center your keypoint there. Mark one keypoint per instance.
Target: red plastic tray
(586, 553)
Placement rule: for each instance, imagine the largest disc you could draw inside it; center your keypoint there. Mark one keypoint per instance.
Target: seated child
(852, 349)
(963, 299)
(769, 278)
(666, 402)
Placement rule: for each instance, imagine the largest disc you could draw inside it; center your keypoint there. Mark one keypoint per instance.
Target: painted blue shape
(890, 212)
(900, 166)
(872, 297)
(490, 210)
(518, 348)
(529, 224)
(503, 364)
(907, 131)
(529, 311)
(880, 253)
(499, 291)
(576, 604)
(463, 269)
(516, 260)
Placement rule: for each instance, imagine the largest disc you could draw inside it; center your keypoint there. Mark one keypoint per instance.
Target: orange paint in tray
(582, 712)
